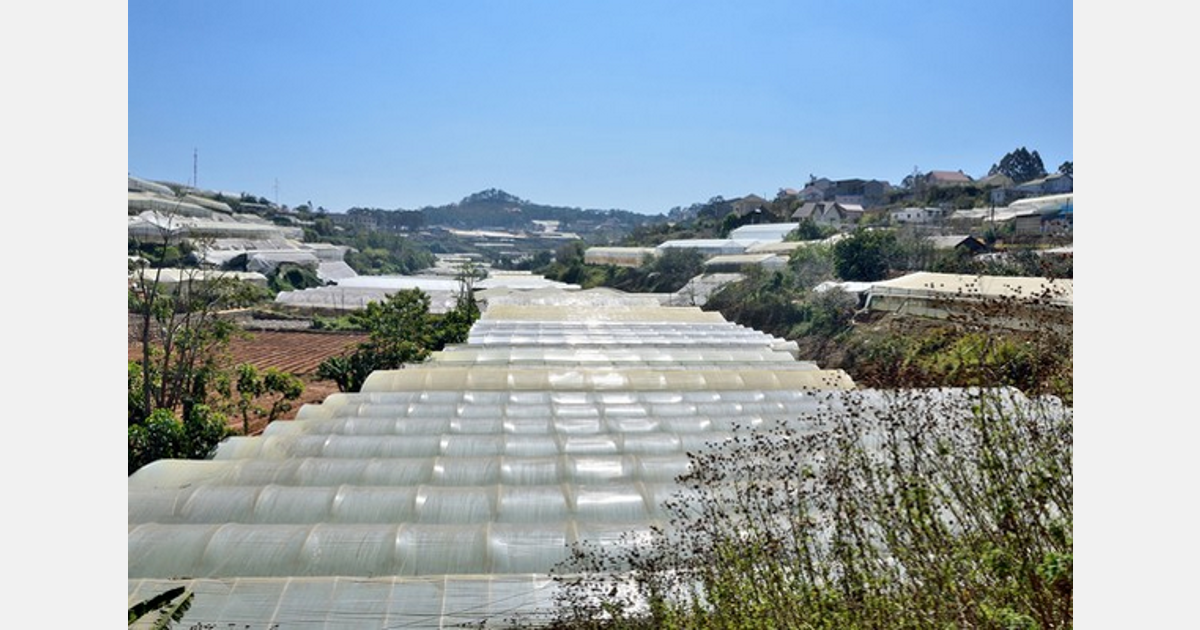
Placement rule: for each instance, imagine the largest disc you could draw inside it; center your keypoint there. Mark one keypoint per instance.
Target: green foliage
(399, 327)
(655, 234)
(781, 303)
(865, 255)
(402, 330)
(809, 230)
(161, 611)
(174, 254)
(811, 265)
(1020, 165)
(955, 356)
(348, 371)
(182, 337)
(292, 277)
(162, 435)
(279, 387)
(1067, 168)
(671, 270)
(342, 323)
(182, 372)
(918, 512)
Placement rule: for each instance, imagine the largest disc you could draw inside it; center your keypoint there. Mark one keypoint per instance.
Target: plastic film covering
(444, 492)
(614, 355)
(594, 379)
(556, 313)
(336, 603)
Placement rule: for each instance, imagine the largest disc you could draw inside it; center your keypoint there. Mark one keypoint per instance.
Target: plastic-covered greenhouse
(444, 493)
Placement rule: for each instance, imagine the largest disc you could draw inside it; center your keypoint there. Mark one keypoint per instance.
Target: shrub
(163, 436)
(865, 255)
(401, 331)
(891, 510)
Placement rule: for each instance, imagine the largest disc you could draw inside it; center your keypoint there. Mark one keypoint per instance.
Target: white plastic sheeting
(945, 286)
(445, 492)
(339, 298)
(354, 603)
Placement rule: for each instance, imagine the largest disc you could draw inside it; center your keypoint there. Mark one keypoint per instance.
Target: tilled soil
(297, 352)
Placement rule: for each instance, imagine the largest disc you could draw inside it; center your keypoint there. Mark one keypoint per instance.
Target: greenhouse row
(445, 493)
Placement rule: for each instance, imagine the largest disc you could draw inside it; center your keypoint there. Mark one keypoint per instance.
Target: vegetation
(881, 351)
(916, 511)
(665, 273)
(401, 330)
(382, 253)
(1020, 165)
(179, 389)
(809, 230)
(280, 388)
(897, 507)
(161, 611)
(292, 277)
(865, 256)
(498, 210)
(656, 234)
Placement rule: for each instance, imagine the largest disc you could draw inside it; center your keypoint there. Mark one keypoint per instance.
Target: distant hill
(495, 209)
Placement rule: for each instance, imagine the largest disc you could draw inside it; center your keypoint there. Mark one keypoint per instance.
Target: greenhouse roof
(763, 232)
(953, 286)
(445, 492)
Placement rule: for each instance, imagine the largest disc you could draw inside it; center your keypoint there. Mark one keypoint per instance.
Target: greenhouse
(446, 493)
(619, 256)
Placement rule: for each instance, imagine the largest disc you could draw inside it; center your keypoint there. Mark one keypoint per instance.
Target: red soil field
(298, 352)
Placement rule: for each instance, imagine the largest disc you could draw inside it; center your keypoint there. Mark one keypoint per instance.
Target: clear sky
(639, 105)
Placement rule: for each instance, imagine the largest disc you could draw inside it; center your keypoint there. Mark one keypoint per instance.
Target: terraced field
(296, 352)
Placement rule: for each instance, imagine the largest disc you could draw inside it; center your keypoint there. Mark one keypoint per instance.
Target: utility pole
(195, 162)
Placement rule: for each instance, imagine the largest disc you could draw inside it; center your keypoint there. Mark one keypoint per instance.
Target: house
(749, 204)
(815, 190)
(867, 193)
(918, 215)
(1055, 184)
(1000, 188)
(947, 178)
(1044, 224)
(1048, 215)
(829, 213)
(960, 242)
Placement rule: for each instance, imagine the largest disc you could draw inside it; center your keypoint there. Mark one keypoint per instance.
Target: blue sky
(619, 104)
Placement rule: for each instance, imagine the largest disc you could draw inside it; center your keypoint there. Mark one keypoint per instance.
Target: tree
(809, 230)
(280, 387)
(178, 389)
(1067, 168)
(401, 330)
(1020, 165)
(164, 436)
(865, 255)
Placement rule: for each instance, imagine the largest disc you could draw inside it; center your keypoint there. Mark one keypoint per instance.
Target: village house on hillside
(1055, 184)
(831, 213)
(920, 216)
(749, 204)
(947, 178)
(860, 192)
(867, 193)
